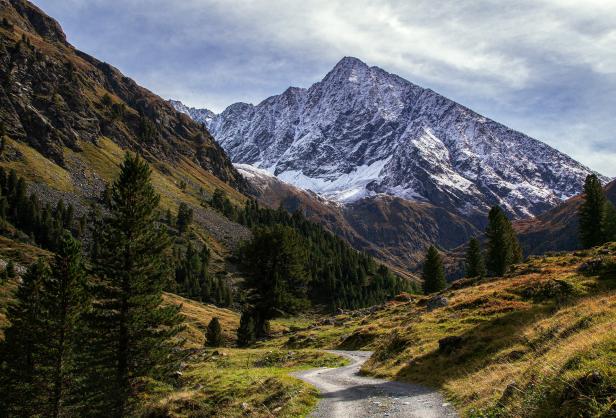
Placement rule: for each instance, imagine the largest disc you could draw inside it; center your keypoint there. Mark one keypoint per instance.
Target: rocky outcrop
(54, 97)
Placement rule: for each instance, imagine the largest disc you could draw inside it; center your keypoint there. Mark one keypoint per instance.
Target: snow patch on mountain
(203, 116)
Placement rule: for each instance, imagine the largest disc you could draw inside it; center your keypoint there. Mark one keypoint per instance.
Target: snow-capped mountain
(362, 131)
(204, 116)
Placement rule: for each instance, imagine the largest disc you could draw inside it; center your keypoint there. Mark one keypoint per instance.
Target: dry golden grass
(35, 167)
(526, 340)
(198, 316)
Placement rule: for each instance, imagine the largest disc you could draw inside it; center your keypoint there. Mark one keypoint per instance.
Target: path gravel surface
(344, 393)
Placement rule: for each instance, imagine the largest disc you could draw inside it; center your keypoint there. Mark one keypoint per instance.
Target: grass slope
(244, 382)
(540, 342)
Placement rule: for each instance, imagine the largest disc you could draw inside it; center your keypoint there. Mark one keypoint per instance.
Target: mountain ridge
(361, 131)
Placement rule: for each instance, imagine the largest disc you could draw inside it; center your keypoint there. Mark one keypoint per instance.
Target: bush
(214, 333)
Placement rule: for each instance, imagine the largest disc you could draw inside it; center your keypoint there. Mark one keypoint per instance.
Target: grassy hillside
(540, 342)
(244, 382)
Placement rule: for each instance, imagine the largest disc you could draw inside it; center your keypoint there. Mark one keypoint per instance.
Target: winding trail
(346, 394)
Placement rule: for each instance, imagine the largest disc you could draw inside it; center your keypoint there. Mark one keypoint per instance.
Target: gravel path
(346, 394)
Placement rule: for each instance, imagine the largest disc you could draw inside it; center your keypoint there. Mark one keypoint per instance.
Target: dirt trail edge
(346, 394)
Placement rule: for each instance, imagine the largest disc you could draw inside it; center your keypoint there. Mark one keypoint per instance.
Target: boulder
(439, 301)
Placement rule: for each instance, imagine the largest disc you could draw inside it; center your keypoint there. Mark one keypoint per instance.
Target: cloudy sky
(544, 67)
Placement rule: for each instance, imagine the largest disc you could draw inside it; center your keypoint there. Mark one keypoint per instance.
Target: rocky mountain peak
(362, 131)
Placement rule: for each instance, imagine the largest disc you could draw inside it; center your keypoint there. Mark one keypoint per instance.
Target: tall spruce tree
(184, 218)
(433, 274)
(276, 262)
(21, 354)
(591, 213)
(503, 247)
(132, 334)
(474, 263)
(608, 224)
(64, 302)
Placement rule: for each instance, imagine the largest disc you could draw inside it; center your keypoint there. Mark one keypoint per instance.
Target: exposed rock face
(362, 131)
(54, 96)
(439, 301)
(203, 116)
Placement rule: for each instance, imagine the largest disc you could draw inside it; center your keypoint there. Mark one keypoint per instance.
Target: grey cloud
(545, 67)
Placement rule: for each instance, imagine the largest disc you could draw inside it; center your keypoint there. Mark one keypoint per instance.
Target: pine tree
(591, 213)
(608, 223)
(184, 219)
(503, 247)
(433, 272)
(2, 138)
(20, 353)
(10, 269)
(474, 263)
(64, 302)
(276, 262)
(132, 334)
(213, 336)
(246, 331)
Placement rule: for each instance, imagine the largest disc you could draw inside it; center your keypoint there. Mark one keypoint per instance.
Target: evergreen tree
(474, 263)
(184, 219)
(21, 355)
(10, 269)
(591, 213)
(132, 334)
(278, 279)
(2, 138)
(213, 337)
(503, 247)
(246, 330)
(64, 301)
(433, 272)
(609, 222)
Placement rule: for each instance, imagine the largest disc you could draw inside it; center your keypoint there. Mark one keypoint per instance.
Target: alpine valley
(302, 257)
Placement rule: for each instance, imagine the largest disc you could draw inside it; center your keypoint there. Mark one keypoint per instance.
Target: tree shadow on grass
(473, 349)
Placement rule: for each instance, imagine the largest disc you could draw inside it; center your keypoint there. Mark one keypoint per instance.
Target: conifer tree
(474, 263)
(433, 272)
(278, 279)
(503, 247)
(213, 337)
(591, 213)
(10, 269)
(21, 356)
(246, 330)
(64, 302)
(609, 222)
(132, 334)
(184, 219)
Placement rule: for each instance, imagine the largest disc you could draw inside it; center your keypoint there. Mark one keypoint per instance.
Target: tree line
(597, 225)
(333, 273)
(292, 263)
(502, 251)
(43, 223)
(88, 335)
